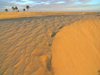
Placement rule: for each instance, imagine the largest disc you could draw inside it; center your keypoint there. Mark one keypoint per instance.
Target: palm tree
(16, 8)
(27, 7)
(6, 10)
(13, 9)
(23, 9)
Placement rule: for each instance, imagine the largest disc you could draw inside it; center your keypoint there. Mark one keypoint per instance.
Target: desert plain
(50, 43)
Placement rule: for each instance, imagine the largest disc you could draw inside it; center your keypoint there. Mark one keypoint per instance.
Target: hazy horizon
(52, 5)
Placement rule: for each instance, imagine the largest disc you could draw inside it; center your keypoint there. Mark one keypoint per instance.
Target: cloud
(37, 2)
(4, 3)
(46, 5)
(85, 1)
(54, 1)
(50, 1)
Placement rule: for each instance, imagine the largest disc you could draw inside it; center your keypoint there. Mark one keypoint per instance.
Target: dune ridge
(76, 49)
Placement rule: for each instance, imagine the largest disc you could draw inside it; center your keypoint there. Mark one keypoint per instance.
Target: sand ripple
(25, 44)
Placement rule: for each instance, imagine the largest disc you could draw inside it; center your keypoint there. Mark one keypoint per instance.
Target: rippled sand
(25, 44)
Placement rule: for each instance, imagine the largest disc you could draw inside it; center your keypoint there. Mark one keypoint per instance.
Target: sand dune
(12, 15)
(76, 49)
(25, 43)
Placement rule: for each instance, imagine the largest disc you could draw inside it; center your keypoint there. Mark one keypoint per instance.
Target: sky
(52, 5)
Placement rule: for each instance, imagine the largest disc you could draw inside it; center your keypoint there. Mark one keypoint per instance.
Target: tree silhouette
(6, 10)
(27, 7)
(23, 9)
(18, 11)
(16, 8)
(13, 9)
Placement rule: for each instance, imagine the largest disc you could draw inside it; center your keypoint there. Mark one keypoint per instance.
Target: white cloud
(85, 1)
(46, 5)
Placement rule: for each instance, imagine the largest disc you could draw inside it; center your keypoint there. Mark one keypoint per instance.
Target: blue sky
(52, 5)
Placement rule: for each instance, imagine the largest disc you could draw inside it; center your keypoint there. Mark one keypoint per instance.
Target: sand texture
(25, 44)
(12, 15)
(76, 49)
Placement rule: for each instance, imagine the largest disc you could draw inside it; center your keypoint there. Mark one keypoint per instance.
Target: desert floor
(29, 45)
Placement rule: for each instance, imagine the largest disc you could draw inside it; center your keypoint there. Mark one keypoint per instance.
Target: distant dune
(76, 49)
(12, 15)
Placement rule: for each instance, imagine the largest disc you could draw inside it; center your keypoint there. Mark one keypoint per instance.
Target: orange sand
(25, 43)
(76, 49)
(12, 15)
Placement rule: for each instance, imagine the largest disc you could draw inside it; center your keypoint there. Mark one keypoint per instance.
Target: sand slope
(25, 44)
(76, 49)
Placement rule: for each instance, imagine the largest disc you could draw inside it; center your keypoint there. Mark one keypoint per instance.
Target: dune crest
(76, 49)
